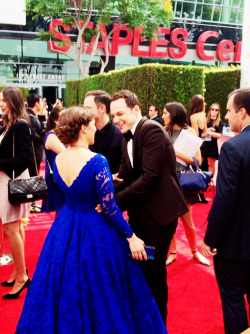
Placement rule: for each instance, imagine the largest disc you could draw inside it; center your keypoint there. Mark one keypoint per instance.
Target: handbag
(26, 190)
(51, 172)
(194, 181)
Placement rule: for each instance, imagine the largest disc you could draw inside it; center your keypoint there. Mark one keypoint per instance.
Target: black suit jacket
(152, 184)
(108, 141)
(23, 149)
(228, 227)
(157, 119)
(37, 137)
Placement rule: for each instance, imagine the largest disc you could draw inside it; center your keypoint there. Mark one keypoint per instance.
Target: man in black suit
(153, 114)
(228, 232)
(150, 189)
(108, 137)
(35, 105)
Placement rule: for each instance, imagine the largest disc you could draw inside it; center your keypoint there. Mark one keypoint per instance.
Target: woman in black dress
(209, 148)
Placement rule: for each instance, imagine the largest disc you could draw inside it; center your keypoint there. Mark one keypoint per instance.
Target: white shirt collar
(135, 125)
(245, 127)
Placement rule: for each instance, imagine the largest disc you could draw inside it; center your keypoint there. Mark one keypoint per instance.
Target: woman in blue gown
(52, 147)
(84, 281)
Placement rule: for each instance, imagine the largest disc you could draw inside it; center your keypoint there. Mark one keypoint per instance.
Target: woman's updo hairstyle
(70, 122)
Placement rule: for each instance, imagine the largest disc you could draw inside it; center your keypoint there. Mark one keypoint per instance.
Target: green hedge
(24, 90)
(71, 95)
(159, 84)
(219, 82)
(175, 83)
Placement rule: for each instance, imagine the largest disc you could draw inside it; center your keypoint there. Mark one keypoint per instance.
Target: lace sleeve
(105, 191)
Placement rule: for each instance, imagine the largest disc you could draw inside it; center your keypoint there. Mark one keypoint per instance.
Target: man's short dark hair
(156, 108)
(131, 98)
(100, 97)
(241, 99)
(32, 99)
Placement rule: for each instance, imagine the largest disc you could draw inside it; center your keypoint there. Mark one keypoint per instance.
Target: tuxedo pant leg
(159, 236)
(248, 289)
(232, 278)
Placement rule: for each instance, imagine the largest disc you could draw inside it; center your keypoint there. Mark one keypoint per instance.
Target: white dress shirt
(130, 142)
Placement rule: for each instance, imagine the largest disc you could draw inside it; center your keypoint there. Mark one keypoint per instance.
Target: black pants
(233, 278)
(154, 234)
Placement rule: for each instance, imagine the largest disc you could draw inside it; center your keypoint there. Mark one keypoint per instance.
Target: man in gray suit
(228, 232)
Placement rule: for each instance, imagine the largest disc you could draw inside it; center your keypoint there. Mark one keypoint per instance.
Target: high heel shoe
(168, 261)
(16, 295)
(200, 258)
(6, 283)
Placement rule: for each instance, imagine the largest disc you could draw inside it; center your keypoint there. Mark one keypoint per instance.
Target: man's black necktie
(128, 135)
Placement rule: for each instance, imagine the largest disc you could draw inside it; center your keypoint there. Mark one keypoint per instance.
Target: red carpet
(194, 304)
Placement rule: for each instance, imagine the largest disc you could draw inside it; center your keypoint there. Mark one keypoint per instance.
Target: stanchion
(4, 258)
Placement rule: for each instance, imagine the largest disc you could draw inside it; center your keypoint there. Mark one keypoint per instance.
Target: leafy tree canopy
(132, 13)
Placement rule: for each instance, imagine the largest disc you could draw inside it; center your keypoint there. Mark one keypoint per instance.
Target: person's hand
(98, 208)
(207, 251)
(116, 178)
(136, 246)
(212, 129)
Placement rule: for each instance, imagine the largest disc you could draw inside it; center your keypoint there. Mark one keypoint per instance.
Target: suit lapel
(126, 157)
(137, 135)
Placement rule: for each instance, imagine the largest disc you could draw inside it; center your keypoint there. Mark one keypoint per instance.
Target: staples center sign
(226, 51)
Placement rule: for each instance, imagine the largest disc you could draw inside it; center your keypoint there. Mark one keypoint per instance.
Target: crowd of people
(104, 158)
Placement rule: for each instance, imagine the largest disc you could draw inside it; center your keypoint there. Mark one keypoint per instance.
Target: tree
(79, 14)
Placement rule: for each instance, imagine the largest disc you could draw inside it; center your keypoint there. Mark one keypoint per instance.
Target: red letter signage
(156, 48)
(155, 42)
(201, 43)
(225, 46)
(89, 25)
(136, 42)
(100, 44)
(180, 44)
(62, 37)
(117, 40)
(237, 55)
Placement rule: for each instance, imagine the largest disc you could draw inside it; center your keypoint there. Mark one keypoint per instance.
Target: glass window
(10, 48)
(227, 11)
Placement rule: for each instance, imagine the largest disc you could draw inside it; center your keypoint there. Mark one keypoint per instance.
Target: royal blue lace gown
(56, 198)
(85, 281)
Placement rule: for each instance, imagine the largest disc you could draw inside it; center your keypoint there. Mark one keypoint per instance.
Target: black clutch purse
(150, 250)
(26, 190)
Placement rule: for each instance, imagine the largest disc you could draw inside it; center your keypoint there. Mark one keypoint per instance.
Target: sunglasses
(214, 109)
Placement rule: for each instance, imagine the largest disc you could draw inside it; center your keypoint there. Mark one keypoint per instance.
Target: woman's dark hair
(53, 116)
(70, 122)
(178, 115)
(14, 99)
(196, 104)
